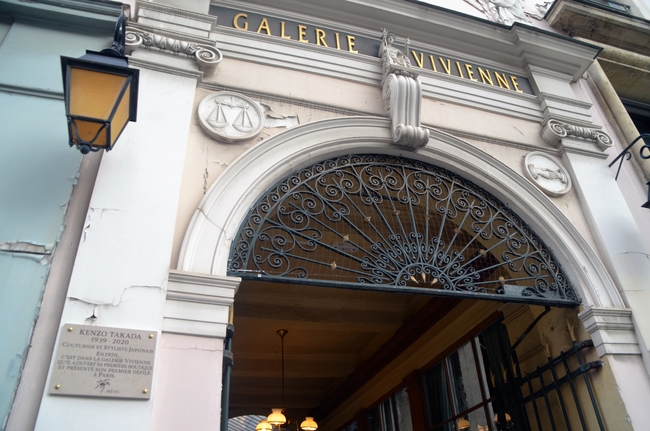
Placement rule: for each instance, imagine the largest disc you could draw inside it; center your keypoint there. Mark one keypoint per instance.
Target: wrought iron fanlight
(389, 223)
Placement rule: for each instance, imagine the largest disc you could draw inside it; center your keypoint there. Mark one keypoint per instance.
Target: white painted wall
(122, 264)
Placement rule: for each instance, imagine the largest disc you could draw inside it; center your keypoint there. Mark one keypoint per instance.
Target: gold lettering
(302, 32)
(338, 41)
(433, 63)
(264, 25)
(419, 60)
(501, 80)
(485, 76)
(447, 66)
(470, 72)
(460, 71)
(282, 35)
(235, 21)
(515, 84)
(351, 44)
(320, 37)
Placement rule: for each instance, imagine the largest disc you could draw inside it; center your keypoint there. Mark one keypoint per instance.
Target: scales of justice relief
(230, 117)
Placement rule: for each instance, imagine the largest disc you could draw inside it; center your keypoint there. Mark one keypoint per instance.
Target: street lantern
(101, 94)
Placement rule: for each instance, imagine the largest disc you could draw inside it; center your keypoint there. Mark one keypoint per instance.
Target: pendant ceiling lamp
(277, 417)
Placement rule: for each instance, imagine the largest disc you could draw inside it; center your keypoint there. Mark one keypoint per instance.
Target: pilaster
(617, 235)
(189, 375)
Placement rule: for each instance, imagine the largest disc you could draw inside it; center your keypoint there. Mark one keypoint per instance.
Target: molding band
(612, 330)
(144, 64)
(198, 304)
(30, 91)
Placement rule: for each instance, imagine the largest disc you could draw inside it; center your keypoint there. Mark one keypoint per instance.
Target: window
(473, 388)
(392, 414)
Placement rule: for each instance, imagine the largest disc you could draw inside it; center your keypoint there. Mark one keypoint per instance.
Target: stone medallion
(230, 117)
(547, 173)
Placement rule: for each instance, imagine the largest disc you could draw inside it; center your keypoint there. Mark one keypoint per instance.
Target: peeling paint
(89, 217)
(26, 247)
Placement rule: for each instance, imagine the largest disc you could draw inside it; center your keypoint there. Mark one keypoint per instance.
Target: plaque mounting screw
(57, 386)
(150, 335)
(70, 329)
(144, 391)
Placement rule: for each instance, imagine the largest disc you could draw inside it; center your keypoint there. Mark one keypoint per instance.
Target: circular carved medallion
(547, 173)
(230, 117)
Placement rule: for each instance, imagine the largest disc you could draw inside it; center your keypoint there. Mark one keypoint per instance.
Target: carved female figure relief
(503, 11)
(392, 56)
(509, 11)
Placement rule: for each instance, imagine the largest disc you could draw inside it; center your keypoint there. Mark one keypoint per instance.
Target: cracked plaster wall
(120, 272)
(207, 158)
(185, 355)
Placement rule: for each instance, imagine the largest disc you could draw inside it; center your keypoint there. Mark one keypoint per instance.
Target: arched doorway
(400, 259)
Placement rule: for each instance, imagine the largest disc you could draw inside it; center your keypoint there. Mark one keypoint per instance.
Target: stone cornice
(451, 32)
(565, 109)
(595, 23)
(30, 91)
(78, 13)
(182, 22)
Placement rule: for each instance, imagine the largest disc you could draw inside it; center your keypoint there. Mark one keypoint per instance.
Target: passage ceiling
(332, 334)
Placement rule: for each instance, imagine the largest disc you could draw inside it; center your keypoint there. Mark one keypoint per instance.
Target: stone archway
(215, 224)
(200, 292)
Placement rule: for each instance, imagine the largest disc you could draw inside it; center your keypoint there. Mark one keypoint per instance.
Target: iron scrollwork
(390, 223)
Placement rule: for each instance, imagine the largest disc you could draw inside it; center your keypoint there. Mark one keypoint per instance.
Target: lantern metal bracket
(119, 39)
(627, 155)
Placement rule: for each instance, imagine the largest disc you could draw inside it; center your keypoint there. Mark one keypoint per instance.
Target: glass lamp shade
(264, 425)
(309, 424)
(496, 418)
(276, 417)
(101, 97)
(463, 424)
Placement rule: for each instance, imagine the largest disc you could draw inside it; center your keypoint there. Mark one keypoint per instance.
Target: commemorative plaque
(95, 361)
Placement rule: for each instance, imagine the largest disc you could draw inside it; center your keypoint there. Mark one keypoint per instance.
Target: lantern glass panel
(85, 131)
(94, 94)
(121, 117)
